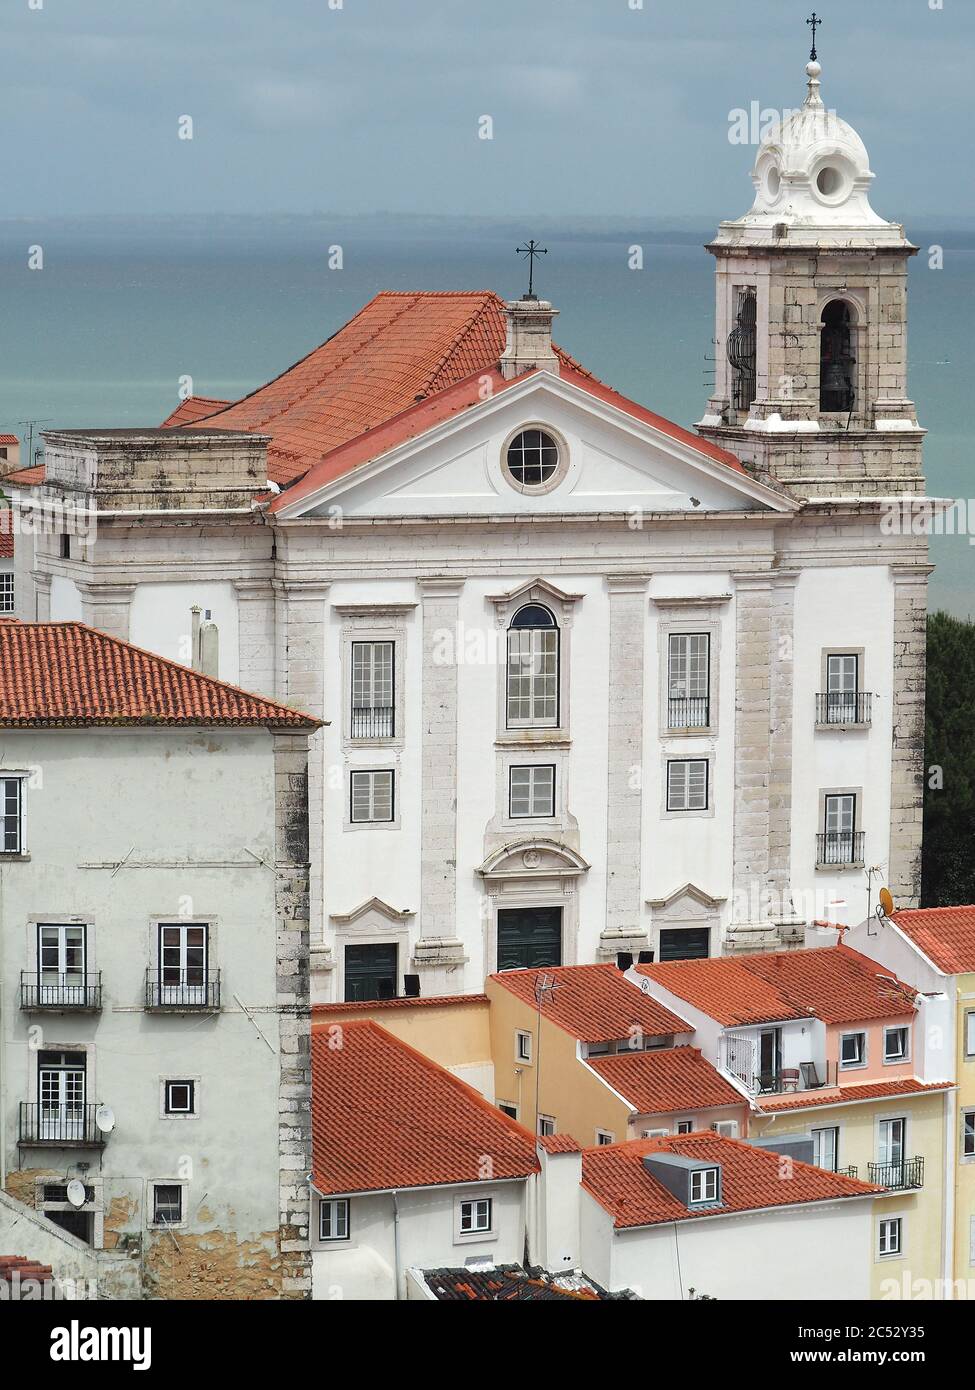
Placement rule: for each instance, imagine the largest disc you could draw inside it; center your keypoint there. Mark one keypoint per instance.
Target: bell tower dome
(811, 319)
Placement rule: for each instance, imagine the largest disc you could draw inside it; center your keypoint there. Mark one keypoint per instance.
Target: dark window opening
(741, 351)
(529, 937)
(370, 972)
(836, 359)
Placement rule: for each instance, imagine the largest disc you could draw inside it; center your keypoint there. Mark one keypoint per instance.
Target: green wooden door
(529, 937)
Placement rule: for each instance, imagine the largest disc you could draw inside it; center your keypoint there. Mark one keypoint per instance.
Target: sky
(614, 107)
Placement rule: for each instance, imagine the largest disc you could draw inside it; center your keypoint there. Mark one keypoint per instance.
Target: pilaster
(107, 607)
(907, 744)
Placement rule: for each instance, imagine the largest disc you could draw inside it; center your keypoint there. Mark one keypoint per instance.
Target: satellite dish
(886, 902)
(76, 1193)
(105, 1119)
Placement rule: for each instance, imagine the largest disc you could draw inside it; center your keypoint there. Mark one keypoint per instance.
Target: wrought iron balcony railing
(376, 721)
(44, 1123)
(843, 707)
(898, 1177)
(840, 847)
(74, 992)
(689, 713)
(182, 990)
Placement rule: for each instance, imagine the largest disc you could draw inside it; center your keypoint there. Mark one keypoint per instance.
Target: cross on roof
(814, 22)
(531, 251)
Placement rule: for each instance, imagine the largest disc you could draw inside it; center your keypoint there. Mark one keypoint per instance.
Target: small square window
(508, 1108)
(896, 1044)
(853, 1050)
(167, 1204)
(523, 1046)
(546, 1125)
(685, 1126)
(531, 791)
(603, 1137)
(704, 1185)
(890, 1240)
(180, 1098)
(372, 797)
(333, 1219)
(475, 1216)
(687, 784)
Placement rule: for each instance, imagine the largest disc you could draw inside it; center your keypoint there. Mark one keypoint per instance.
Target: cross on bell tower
(814, 22)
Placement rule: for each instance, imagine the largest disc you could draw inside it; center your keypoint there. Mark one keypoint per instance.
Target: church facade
(593, 682)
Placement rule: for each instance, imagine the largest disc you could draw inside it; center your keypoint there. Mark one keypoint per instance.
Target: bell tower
(811, 319)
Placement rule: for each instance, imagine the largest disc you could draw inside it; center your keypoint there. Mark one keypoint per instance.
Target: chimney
(195, 612)
(529, 341)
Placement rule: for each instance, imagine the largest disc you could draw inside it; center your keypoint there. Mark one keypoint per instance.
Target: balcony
(375, 721)
(692, 713)
(841, 848)
(182, 991)
(46, 1125)
(741, 1060)
(70, 993)
(905, 1176)
(843, 709)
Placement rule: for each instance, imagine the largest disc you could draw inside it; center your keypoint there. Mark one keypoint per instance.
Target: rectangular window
(704, 1185)
(968, 1133)
(531, 791)
(373, 690)
(603, 1137)
(333, 1219)
(688, 680)
(687, 785)
(61, 1087)
(61, 964)
(892, 1136)
(11, 815)
(896, 1044)
(167, 1204)
(6, 592)
(826, 1147)
(475, 1215)
(970, 1033)
(508, 1108)
(533, 677)
(371, 797)
(523, 1046)
(371, 971)
(842, 687)
(183, 963)
(839, 829)
(890, 1242)
(180, 1098)
(853, 1050)
(546, 1124)
(685, 1126)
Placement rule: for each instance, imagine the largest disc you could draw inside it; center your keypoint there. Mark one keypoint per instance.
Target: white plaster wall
(363, 1266)
(156, 796)
(160, 620)
(66, 601)
(836, 608)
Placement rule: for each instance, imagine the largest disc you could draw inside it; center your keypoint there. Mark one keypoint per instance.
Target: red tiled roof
(24, 477)
(946, 935)
(594, 1003)
(6, 534)
(436, 1001)
(384, 1116)
(510, 1284)
(398, 347)
(66, 675)
(192, 409)
(676, 1078)
(844, 1095)
(559, 1144)
(8, 439)
(24, 1269)
(832, 983)
(751, 1179)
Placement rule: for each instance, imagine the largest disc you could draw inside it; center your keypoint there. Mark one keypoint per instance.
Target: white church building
(593, 682)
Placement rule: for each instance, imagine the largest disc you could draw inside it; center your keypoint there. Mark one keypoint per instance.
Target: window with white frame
(546, 1125)
(373, 690)
(685, 1126)
(61, 951)
(333, 1218)
(475, 1215)
(826, 1147)
(167, 1203)
(892, 1145)
(11, 815)
(842, 687)
(970, 1033)
(532, 677)
(531, 791)
(968, 1133)
(853, 1050)
(688, 680)
(604, 1137)
(897, 1044)
(184, 977)
(523, 1046)
(890, 1239)
(704, 1185)
(508, 1107)
(687, 784)
(371, 796)
(839, 842)
(179, 1097)
(6, 592)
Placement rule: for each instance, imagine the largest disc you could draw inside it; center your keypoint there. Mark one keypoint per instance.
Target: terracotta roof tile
(751, 1179)
(192, 409)
(946, 935)
(676, 1078)
(594, 1003)
(559, 1144)
(845, 1095)
(6, 534)
(24, 477)
(435, 1001)
(834, 984)
(384, 1116)
(512, 1284)
(67, 675)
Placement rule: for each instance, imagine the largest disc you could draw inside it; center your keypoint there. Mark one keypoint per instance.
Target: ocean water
(122, 310)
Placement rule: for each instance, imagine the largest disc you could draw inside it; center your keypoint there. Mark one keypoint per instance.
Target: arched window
(837, 364)
(741, 351)
(533, 669)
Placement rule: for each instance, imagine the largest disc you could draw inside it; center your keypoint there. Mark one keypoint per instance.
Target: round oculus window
(773, 182)
(532, 458)
(830, 181)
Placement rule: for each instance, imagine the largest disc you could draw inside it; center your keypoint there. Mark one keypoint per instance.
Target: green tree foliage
(948, 858)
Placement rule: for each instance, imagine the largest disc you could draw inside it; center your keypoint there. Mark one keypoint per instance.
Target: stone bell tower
(811, 320)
